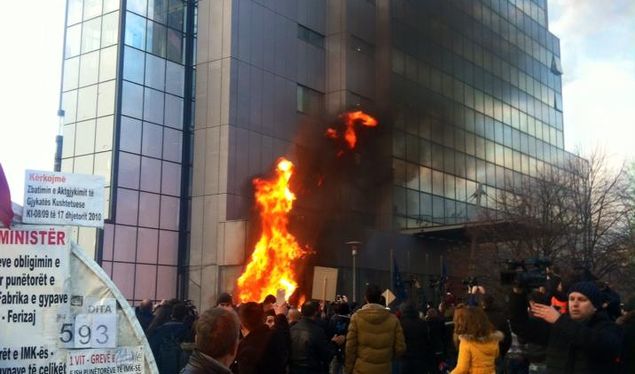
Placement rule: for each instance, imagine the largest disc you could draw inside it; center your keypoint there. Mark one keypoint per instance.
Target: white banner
(63, 199)
(34, 274)
(106, 361)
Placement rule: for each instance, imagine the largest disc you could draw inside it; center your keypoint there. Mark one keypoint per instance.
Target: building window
(311, 36)
(362, 46)
(309, 101)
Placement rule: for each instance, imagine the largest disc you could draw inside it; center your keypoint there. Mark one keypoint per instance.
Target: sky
(597, 41)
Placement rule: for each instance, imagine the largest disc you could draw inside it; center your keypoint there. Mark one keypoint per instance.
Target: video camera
(530, 273)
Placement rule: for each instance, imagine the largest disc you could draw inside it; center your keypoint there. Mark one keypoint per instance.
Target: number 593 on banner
(89, 331)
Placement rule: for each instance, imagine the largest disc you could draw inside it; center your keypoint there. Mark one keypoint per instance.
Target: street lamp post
(354, 246)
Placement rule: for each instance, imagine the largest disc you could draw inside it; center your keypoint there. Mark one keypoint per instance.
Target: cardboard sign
(324, 283)
(63, 199)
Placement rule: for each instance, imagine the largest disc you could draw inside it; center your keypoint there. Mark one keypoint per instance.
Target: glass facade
(128, 117)
(477, 105)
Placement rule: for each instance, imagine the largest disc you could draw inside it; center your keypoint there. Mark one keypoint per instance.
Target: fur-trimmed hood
(496, 336)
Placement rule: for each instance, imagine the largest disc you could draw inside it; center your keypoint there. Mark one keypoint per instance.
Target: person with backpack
(166, 340)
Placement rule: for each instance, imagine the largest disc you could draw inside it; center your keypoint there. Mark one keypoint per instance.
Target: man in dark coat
(311, 351)
(217, 332)
(166, 340)
(627, 322)
(419, 356)
(259, 352)
(582, 341)
(144, 315)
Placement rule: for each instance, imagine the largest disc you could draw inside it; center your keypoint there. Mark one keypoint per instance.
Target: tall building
(468, 94)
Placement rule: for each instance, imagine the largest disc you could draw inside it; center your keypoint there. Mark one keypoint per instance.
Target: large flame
(271, 265)
(350, 120)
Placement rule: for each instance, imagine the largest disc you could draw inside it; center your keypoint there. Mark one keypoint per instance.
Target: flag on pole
(6, 211)
(397, 283)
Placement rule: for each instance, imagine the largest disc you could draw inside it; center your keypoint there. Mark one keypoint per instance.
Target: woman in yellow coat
(478, 342)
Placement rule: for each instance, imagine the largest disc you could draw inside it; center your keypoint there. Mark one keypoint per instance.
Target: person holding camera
(584, 340)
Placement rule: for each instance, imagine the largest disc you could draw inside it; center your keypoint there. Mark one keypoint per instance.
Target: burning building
(182, 104)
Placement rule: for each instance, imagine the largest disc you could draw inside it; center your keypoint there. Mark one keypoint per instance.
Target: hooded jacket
(477, 355)
(374, 338)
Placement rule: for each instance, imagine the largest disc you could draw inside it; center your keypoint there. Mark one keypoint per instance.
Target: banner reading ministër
(34, 271)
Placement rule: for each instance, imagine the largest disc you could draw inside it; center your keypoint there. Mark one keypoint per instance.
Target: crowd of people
(533, 331)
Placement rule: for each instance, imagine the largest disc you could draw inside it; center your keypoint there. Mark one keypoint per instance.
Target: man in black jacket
(311, 351)
(217, 333)
(582, 341)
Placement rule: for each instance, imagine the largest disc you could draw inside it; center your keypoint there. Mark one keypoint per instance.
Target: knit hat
(224, 298)
(591, 291)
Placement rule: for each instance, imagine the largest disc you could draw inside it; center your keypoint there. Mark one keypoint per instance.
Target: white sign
(63, 199)
(117, 360)
(34, 272)
(390, 297)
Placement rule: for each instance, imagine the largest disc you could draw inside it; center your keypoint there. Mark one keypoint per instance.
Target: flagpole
(392, 271)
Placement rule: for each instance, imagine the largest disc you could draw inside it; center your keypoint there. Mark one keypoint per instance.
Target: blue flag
(397, 283)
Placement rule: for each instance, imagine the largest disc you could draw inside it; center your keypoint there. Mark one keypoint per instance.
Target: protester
(374, 337)
(499, 320)
(268, 303)
(311, 351)
(143, 312)
(166, 340)
(217, 332)
(257, 353)
(293, 316)
(225, 301)
(582, 341)
(419, 355)
(338, 326)
(611, 301)
(627, 322)
(478, 342)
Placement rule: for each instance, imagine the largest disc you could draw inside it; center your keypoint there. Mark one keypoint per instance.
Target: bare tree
(579, 215)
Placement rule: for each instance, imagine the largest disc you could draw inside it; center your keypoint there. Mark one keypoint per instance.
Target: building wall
(125, 102)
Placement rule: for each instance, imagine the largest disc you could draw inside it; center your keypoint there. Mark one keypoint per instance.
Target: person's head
(341, 308)
(458, 318)
(225, 301)
(310, 309)
(373, 294)
(270, 318)
(146, 305)
(268, 302)
(585, 298)
(474, 322)
(179, 311)
(293, 315)
(251, 315)
(217, 332)
(408, 310)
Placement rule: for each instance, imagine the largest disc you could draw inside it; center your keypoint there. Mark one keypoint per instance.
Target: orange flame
(350, 119)
(271, 265)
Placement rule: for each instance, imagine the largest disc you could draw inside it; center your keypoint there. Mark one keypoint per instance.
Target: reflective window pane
(175, 46)
(129, 170)
(171, 179)
(173, 111)
(172, 145)
(73, 40)
(132, 100)
(169, 213)
(83, 165)
(150, 174)
(74, 12)
(88, 72)
(153, 106)
(152, 140)
(91, 35)
(92, 8)
(103, 134)
(109, 29)
(133, 65)
(156, 36)
(69, 141)
(157, 10)
(106, 98)
(174, 81)
(85, 137)
(108, 63)
(87, 103)
(135, 30)
(176, 13)
(137, 6)
(130, 136)
(148, 210)
(110, 5)
(103, 166)
(71, 73)
(69, 105)
(155, 72)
